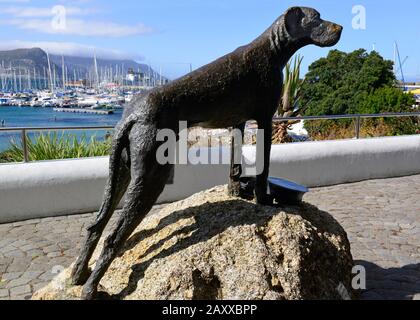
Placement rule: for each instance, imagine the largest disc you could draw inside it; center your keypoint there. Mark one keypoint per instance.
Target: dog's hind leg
(113, 195)
(116, 186)
(148, 179)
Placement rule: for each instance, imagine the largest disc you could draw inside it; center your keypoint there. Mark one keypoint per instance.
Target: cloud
(66, 20)
(80, 27)
(15, 1)
(37, 12)
(70, 49)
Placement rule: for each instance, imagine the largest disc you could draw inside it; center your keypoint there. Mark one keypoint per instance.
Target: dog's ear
(293, 21)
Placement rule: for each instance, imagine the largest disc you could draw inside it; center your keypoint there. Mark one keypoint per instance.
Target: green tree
(334, 85)
(356, 82)
(383, 100)
(388, 100)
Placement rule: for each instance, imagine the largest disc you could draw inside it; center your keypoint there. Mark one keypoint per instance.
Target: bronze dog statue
(243, 85)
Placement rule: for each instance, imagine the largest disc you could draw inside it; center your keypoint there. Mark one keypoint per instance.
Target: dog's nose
(337, 28)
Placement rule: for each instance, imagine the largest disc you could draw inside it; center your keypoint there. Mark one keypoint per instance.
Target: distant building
(144, 80)
(77, 84)
(136, 78)
(416, 94)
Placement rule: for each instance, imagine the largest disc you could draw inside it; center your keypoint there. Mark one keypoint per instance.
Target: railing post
(358, 127)
(25, 146)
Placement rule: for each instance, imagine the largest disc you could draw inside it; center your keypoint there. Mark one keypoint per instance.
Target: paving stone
(27, 248)
(33, 254)
(5, 242)
(47, 276)
(11, 276)
(52, 248)
(16, 254)
(4, 293)
(7, 249)
(32, 274)
(19, 291)
(18, 282)
(3, 268)
(19, 265)
(39, 286)
(24, 223)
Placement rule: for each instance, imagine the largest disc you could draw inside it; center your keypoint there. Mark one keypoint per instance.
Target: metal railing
(357, 117)
(25, 130)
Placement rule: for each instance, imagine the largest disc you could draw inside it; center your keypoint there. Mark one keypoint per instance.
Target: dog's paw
(234, 190)
(265, 200)
(80, 277)
(88, 293)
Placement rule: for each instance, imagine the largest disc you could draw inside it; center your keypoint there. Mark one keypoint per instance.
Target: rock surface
(211, 246)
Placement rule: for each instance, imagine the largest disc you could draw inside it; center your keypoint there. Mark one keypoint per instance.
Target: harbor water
(47, 117)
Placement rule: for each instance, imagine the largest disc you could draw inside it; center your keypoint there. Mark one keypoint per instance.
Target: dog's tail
(120, 141)
(121, 136)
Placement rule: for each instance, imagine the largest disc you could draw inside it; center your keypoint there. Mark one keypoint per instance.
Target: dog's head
(306, 26)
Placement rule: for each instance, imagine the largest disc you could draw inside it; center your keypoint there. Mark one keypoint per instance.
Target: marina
(79, 110)
(40, 83)
(80, 98)
(13, 116)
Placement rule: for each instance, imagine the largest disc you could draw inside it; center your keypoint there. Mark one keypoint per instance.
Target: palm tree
(289, 106)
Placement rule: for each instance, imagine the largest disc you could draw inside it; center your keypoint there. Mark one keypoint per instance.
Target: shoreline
(46, 117)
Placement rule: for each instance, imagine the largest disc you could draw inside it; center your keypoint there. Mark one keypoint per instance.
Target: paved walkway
(382, 218)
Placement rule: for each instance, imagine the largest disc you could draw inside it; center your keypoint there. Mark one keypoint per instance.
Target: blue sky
(173, 33)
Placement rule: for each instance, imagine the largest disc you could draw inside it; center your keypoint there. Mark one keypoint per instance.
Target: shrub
(53, 146)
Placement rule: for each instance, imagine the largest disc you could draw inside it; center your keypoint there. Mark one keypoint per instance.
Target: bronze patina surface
(243, 85)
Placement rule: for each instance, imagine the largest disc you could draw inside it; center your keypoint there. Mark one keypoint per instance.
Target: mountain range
(36, 59)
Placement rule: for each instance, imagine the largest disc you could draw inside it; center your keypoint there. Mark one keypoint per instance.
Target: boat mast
(95, 65)
(36, 80)
(54, 77)
(14, 81)
(398, 59)
(67, 76)
(29, 80)
(44, 82)
(63, 71)
(20, 79)
(49, 73)
(2, 75)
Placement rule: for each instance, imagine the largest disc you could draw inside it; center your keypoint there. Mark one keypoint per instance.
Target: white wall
(54, 188)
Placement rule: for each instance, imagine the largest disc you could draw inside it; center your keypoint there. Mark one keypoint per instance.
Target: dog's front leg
(261, 187)
(236, 160)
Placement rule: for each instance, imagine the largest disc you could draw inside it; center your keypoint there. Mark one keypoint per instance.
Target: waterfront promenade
(382, 218)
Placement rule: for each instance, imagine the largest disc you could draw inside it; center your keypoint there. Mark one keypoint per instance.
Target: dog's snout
(336, 28)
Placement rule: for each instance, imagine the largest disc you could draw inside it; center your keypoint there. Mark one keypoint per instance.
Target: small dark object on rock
(281, 191)
(286, 192)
